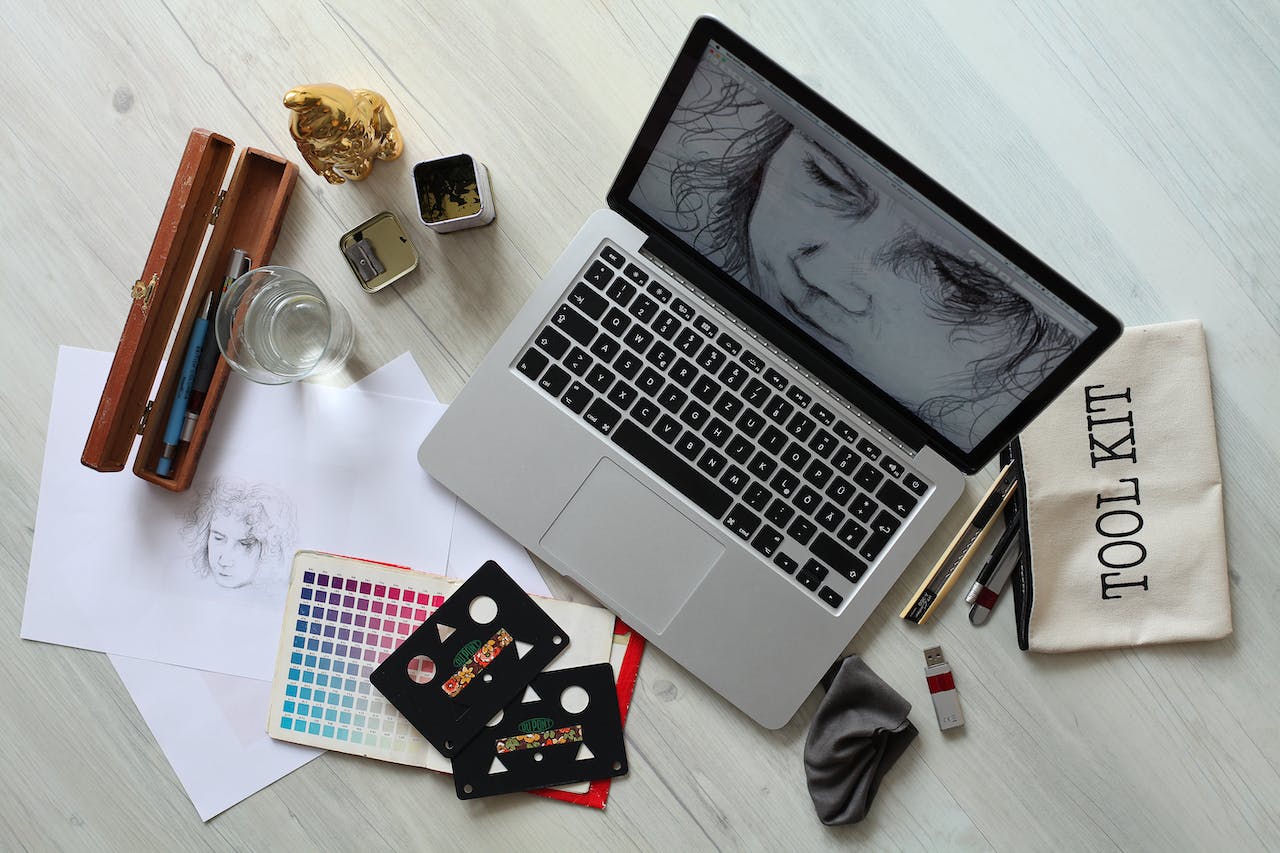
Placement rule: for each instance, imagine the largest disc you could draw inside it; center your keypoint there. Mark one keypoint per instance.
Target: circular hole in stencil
(497, 718)
(537, 756)
(574, 699)
(617, 765)
(421, 669)
(483, 609)
(467, 789)
(488, 676)
(557, 639)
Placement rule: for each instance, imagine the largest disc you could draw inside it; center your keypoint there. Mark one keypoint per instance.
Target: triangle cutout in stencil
(529, 696)
(497, 766)
(445, 631)
(584, 753)
(522, 648)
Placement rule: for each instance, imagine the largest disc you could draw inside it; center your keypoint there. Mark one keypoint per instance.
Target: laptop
(751, 388)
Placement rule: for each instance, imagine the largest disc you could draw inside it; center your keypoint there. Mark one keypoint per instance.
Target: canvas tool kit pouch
(1123, 541)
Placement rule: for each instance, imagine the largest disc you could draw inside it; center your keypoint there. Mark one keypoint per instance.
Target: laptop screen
(850, 254)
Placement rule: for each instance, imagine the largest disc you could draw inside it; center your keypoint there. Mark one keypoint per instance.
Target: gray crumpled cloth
(860, 730)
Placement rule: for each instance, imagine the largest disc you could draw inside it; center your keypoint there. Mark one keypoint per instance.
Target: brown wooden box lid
(249, 217)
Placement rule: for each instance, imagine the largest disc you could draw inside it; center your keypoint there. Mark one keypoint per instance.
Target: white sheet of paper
(210, 726)
(116, 562)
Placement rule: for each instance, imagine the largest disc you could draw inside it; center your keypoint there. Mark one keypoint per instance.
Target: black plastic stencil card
(475, 654)
(565, 728)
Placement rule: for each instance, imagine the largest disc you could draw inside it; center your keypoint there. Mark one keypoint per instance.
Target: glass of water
(274, 325)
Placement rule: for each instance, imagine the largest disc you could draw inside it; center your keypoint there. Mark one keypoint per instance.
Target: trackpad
(635, 547)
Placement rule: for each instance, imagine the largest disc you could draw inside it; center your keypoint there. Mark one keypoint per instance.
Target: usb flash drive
(942, 687)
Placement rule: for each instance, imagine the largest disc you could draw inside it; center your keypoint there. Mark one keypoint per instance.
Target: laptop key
(800, 398)
(623, 395)
(801, 426)
(751, 422)
(739, 449)
(734, 479)
(628, 365)
(672, 399)
(666, 325)
(683, 372)
(532, 363)
(729, 345)
(885, 524)
(840, 490)
(822, 443)
(574, 324)
(671, 469)
(897, 498)
(636, 274)
(778, 409)
(682, 308)
(688, 342)
(873, 546)
(733, 375)
(616, 322)
(762, 465)
(576, 398)
(717, 432)
(728, 405)
(659, 292)
(829, 517)
(776, 379)
(822, 413)
(705, 389)
(650, 382)
(553, 381)
(708, 328)
(621, 291)
(588, 301)
(753, 361)
(784, 483)
(830, 596)
(767, 541)
(695, 416)
(660, 355)
(813, 574)
(851, 533)
(667, 428)
(598, 274)
(742, 521)
(689, 445)
(757, 497)
(578, 362)
(779, 512)
(713, 463)
(605, 348)
(868, 477)
(847, 433)
(817, 473)
(807, 500)
(868, 450)
(915, 484)
(646, 411)
(600, 378)
(892, 466)
(552, 342)
(795, 456)
(602, 416)
(863, 507)
(612, 257)
(756, 393)
(785, 563)
(846, 461)
(712, 360)
(643, 308)
(773, 440)
(801, 530)
(638, 339)
(838, 557)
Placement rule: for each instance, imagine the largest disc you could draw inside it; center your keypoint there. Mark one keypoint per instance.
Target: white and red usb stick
(942, 687)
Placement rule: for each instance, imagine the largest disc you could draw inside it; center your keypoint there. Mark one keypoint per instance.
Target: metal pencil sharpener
(453, 193)
(379, 252)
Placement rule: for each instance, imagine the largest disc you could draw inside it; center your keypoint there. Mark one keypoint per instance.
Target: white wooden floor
(1135, 146)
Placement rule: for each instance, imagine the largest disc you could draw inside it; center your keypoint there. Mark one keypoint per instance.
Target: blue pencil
(178, 411)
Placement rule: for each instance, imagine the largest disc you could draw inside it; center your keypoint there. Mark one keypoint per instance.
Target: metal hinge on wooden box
(246, 215)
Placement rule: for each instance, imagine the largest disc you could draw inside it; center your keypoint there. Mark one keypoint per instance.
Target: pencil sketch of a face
(240, 533)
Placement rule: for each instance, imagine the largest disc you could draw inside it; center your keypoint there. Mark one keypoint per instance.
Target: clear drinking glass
(274, 325)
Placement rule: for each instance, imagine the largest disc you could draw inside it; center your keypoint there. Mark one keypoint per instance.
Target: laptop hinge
(837, 400)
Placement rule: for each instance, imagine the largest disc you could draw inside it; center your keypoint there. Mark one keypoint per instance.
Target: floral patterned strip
(537, 740)
(482, 658)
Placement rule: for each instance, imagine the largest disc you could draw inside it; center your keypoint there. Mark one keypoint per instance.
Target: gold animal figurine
(340, 131)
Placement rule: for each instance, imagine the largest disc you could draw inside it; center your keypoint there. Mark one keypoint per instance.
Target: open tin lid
(157, 296)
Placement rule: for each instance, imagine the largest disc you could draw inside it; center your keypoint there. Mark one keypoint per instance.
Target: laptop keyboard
(732, 430)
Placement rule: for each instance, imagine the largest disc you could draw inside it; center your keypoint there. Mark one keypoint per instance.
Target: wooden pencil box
(246, 215)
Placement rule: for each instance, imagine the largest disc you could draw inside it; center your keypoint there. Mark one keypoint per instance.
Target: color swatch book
(343, 617)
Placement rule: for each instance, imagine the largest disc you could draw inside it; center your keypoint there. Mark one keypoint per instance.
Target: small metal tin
(453, 193)
(378, 251)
